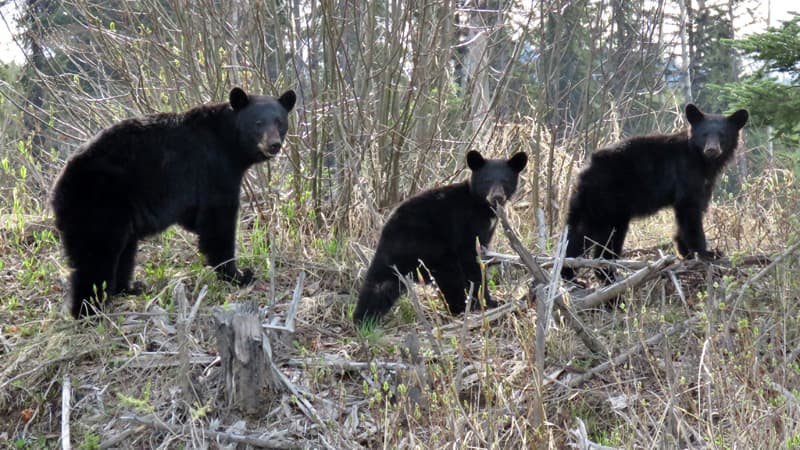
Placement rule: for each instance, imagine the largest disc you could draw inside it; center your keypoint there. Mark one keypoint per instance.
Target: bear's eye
(259, 123)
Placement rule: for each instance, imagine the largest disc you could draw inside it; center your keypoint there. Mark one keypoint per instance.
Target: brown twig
(632, 351)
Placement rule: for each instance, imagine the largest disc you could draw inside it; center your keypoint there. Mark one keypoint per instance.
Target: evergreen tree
(772, 92)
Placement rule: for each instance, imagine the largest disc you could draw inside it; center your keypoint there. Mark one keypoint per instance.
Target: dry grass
(724, 379)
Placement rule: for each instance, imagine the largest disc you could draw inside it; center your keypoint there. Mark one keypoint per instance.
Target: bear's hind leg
(380, 290)
(95, 258)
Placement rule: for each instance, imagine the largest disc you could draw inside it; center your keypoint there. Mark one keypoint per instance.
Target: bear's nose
(496, 195)
(712, 151)
(274, 148)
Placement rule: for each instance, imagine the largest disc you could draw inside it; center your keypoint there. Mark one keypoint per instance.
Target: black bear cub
(141, 175)
(438, 227)
(639, 176)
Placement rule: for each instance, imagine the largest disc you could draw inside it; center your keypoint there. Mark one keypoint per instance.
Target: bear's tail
(376, 298)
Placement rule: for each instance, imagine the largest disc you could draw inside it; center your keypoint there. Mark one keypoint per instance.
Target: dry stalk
(412, 297)
(182, 327)
(292, 311)
(66, 396)
(761, 274)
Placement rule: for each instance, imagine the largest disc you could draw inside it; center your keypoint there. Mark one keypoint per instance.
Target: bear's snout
(496, 195)
(274, 148)
(712, 148)
(270, 145)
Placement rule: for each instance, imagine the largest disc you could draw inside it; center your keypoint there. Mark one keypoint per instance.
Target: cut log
(246, 357)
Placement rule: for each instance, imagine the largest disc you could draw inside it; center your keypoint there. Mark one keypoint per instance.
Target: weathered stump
(246, 358)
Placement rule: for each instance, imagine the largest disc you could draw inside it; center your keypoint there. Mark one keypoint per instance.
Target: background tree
(772, 90)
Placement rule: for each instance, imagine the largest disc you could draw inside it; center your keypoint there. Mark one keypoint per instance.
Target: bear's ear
(474, 160)
(693, 114)
(238, 98)
(739, 118)
(518, 162)
(287, 100)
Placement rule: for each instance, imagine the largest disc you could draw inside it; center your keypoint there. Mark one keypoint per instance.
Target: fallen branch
(239, 438)
(629, 264)
(343, 365)
(476, 320)
(114, 441)
(580, 379)
(588, 339)
(299, 397)
(540, 278)
(603, 295)
(549, 261)
(152, 360)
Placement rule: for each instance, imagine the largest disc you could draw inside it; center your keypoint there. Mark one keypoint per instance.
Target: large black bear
(439, 227)
(141, 175)
(639, 176)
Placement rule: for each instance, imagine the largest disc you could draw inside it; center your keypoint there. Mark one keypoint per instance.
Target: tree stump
(246, 357)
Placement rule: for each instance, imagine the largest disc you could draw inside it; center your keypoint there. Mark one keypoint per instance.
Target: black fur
(139, 176)
(639, 176)
(439, 228)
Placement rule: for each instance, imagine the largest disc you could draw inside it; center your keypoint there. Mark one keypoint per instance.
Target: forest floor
(693, 356)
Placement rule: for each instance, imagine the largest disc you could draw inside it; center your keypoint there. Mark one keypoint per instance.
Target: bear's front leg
(691, 238)
(216, 230)
(454, 287)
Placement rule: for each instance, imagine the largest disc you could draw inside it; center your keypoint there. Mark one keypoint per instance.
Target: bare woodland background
(392, 95)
